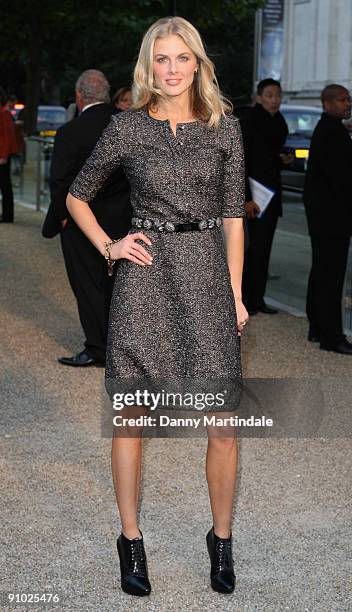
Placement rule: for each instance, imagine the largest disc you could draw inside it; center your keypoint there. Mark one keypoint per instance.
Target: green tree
(55, 42)
(32, 34)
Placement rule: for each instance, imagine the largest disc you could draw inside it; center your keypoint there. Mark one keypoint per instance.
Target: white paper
(261, 195)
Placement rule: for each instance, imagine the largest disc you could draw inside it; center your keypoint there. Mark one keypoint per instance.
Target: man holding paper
(264, 133)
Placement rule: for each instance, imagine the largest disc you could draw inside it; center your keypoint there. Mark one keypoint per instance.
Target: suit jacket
(264, 135)
(74, 143)
(328, 184)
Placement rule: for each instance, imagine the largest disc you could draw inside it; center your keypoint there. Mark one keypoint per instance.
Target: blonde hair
(208, 103)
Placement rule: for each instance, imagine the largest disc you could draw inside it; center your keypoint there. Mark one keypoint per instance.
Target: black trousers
(6, 191)
(325, 287)
(256, 261)
(92, 287)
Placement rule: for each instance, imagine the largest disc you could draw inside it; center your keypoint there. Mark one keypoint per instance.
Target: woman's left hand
(242, 315)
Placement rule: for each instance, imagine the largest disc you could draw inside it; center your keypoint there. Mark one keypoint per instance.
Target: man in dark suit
(264, 134)
(86, 268)
(328, 203)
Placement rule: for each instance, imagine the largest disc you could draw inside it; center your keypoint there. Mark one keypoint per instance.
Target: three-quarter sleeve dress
(177, 317)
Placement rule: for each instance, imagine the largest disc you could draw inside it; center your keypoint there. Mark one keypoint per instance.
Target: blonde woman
(177, 309)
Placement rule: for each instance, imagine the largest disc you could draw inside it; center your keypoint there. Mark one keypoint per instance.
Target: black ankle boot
(133, 565)
(222, 575)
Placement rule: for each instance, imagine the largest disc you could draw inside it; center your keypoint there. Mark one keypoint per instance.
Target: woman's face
(125, 101)
(174, 65)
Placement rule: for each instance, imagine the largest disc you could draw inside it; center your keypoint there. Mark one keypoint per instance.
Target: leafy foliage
(53, 43)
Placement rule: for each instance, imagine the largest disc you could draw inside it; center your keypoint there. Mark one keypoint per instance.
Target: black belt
(170, 226)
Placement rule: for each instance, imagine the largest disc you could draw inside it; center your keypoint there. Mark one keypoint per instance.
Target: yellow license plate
(45, 133)
(302, 153)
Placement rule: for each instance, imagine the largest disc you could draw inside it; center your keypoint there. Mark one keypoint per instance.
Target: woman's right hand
(128, 248)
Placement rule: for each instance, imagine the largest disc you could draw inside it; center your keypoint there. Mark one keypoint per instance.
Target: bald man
(328, 204)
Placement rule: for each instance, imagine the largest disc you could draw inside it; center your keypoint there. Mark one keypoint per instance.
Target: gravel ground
(292, 515)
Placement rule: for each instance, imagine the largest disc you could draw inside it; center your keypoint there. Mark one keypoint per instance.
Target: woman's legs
(126, 473)
(126, 470)
(221, 467)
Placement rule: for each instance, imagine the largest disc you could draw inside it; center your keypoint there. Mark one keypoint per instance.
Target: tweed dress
(177, 317)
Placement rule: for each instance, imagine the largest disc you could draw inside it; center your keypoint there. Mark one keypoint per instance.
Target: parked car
(49, 118)
(301, 121)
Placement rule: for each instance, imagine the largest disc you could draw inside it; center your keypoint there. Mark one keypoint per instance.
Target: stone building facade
(317, 48)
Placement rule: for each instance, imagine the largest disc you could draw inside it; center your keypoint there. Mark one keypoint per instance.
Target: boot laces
(223, 560)
(137, 558)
